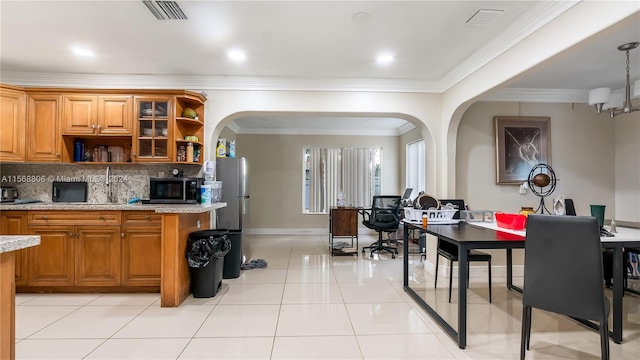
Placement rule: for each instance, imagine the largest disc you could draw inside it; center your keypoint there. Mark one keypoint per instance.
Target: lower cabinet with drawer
(141, 248)
(93, 251)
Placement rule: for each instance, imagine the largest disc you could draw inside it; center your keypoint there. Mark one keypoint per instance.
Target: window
(416, 172)
(356, 172)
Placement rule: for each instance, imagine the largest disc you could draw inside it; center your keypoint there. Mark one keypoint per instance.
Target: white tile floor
(304, 305)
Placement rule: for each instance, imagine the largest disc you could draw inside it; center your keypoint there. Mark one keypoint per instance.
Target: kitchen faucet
(108, 183)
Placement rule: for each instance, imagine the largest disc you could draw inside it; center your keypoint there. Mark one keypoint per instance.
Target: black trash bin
(205, 254)
(233, 259)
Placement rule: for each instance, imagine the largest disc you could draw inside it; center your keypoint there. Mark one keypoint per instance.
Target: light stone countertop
(158, 208)
(16, 242)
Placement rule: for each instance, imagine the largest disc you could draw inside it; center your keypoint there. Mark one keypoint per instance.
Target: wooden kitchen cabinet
(89, 115)
(78, 248)
(141, 248)
(13, 119)
(154, 131)
(80, 114)
(15, 223)
(115, 115)
(97, 255)
(43, 127)
(141, 254)
(53, 262)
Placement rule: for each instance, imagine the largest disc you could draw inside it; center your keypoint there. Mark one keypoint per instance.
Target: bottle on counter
(182, 153)
(232, 149)
(189, 152)
(425, 220)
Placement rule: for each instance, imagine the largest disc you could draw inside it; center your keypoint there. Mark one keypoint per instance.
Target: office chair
(553, 282)
(384, 216)
(450, 252)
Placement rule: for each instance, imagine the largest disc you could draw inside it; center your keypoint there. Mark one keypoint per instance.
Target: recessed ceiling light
(82, 51)
(361, 17)
(237, 55)
(385, 59)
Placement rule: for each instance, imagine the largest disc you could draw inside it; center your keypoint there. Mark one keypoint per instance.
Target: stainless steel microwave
(175, 190)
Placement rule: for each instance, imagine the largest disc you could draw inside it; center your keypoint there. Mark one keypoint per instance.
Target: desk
(343, 222)
(486, 236)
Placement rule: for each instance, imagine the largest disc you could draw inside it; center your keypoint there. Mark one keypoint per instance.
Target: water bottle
(78, 150)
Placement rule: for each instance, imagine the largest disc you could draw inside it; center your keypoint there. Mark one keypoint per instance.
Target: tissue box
(510, 221)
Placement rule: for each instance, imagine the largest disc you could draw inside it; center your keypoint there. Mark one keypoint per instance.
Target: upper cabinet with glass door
(153, 134)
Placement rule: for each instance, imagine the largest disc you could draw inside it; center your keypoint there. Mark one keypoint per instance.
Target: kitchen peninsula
(105, 247)
(8, 246)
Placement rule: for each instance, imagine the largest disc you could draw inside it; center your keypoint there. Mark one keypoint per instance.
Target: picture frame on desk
(521, 143)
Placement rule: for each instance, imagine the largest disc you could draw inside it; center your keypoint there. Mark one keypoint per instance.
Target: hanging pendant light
(603, 99)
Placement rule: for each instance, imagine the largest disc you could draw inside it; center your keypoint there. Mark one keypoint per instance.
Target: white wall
(582, 155)
(275, 163)
(627, 167)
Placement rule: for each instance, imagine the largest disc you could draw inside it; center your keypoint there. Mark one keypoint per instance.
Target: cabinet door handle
(93, 126)
(121, 234)
(70, 234)
(57, 154)
(99, 127)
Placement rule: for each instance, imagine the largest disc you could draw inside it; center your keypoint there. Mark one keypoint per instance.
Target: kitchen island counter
(158, 208)
(106, 247)
(8, 246)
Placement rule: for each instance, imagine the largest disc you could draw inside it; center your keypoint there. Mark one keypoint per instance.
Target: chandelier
(603, 99)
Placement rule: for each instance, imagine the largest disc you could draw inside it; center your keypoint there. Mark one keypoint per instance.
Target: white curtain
(333, 177)
(416, 174)
(316, 172)
(357, 179)
(332, 170)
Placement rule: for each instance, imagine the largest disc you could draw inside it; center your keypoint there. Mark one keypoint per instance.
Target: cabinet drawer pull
(44, 217)
(101, 217)
(147, 217)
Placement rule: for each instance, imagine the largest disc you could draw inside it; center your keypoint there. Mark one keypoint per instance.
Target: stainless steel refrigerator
(234, 174)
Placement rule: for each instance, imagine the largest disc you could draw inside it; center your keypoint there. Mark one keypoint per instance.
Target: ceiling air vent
(484, 17)
(165, 10)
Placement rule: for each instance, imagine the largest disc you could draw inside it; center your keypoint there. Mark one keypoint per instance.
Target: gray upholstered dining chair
(553, 279)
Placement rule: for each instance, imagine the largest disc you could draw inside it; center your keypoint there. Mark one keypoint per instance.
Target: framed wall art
(521, 143)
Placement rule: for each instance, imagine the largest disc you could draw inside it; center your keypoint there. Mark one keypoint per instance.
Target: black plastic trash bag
(200, 251)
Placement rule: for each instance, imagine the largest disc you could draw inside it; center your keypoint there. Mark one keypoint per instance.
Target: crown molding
(147, 81)
(308, 131)
(538, 95)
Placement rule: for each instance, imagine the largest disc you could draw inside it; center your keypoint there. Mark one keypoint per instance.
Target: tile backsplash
(35, 181)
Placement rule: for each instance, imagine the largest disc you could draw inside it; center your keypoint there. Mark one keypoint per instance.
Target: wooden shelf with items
(120, 147)
(189, 110)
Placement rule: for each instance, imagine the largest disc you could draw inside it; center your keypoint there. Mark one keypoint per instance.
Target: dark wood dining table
(467, 236)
